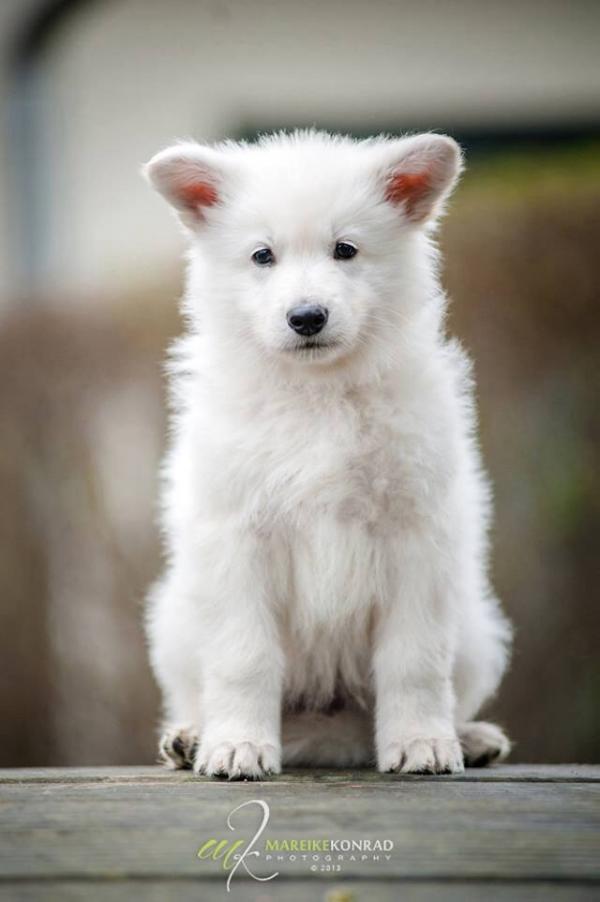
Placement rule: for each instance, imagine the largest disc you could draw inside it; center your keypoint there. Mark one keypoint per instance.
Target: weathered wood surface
(509, 832)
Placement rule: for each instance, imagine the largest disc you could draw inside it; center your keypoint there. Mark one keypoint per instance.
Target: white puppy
(326, 598)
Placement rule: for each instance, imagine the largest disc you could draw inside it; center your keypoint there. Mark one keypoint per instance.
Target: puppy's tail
(340, 739)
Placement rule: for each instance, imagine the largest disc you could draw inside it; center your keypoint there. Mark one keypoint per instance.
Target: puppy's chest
(364, 464)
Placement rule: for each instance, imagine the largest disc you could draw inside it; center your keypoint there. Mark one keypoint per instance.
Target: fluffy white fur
(326, 598)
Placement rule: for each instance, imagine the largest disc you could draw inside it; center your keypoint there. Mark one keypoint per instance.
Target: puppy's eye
(264, 256)
(344, 251)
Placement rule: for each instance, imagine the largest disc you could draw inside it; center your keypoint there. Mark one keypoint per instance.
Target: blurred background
(90, 274)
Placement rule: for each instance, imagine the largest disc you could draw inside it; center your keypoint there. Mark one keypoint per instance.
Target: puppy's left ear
(419, 173)
(190, 177)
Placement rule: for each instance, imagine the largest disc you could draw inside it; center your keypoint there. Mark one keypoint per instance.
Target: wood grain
(510, 832)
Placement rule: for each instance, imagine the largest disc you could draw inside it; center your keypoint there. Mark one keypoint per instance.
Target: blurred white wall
(12, 15)
(123, 78)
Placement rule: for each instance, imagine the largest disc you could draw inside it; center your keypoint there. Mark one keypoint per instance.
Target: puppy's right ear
(190, 177)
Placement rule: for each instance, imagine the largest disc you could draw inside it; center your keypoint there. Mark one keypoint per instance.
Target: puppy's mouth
(310, 346)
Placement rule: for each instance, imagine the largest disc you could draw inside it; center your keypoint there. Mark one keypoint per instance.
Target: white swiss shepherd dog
(326, 599)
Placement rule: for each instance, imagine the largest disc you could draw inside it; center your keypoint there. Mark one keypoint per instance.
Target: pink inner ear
(198, 194)
(408, 188)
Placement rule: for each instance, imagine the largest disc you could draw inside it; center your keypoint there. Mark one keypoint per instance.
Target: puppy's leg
(240, 658)
(173, 656)
(341, 739)
(482, 655)
(413, 658)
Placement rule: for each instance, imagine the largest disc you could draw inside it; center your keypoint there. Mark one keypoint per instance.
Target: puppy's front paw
(418, 755)
(238, 760)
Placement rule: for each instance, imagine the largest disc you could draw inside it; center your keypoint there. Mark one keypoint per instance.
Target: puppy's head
(308, 248)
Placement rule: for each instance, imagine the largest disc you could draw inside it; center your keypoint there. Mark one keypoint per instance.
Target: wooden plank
(577, 773)
(297, 891)
(458, 830)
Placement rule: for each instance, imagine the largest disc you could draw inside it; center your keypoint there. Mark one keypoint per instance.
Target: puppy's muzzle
(307, 319)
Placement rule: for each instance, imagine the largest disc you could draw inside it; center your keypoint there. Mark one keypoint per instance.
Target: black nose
(308, 319)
